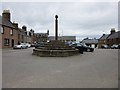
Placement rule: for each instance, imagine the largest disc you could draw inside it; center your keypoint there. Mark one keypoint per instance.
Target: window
(25, 33)
(18, 36)
(29, 33)
(11, 32)
(2, 30)
(32, 33)
(117, 39)
(112, 40)
(6, 42)
(22, 36)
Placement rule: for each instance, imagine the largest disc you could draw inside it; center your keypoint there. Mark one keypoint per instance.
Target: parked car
(40, 44)
(21, 46)
(105, 46)
(114, 46)
(29, 45)
(33, 45)
(88, 49)
(68, 43)
(24, 44)
(78, 46)
(83, 47)
(119, 46)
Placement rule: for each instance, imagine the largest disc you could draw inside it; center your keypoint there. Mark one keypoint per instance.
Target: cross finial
(56, 16)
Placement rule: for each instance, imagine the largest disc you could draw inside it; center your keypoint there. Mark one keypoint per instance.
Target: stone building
(64, 38)
(9, 32)
(21, 34)
(103, 40)
(32, 36)
(113, 38)
(41, 37)
(68, 38)
(109, 39)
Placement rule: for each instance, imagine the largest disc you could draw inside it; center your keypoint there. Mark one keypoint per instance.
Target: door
(12, 42)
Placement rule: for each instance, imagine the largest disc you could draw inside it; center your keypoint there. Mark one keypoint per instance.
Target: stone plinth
(54, 53)
(55, 49)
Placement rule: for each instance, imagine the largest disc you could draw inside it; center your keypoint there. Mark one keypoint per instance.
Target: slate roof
(105, 36)
(90, 41)
(63, 38)
(114, 35)
(53, 38)
(41, 34)
(68, 37)
(111, 36)
(6, 22)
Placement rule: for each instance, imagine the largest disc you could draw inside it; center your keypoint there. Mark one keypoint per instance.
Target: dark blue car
(82, 48)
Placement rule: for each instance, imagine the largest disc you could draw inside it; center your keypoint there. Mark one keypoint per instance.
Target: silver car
(114, 46)
(21, 46)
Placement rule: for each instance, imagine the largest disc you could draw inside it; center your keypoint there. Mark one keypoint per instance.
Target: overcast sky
(81, 19)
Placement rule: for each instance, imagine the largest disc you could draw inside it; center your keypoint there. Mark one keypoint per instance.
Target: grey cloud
(79, 18)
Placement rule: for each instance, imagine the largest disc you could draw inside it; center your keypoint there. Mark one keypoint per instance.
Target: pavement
(98, 69)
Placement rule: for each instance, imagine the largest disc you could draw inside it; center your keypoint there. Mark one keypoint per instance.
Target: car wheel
(80, 51)
(88, 50)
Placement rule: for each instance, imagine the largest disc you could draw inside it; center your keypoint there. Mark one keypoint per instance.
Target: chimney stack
(112, 30)
(6, 14)
(24, 28)
(47, 32)
(15, 25)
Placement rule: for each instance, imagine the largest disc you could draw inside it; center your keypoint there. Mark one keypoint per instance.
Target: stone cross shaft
(56, 27)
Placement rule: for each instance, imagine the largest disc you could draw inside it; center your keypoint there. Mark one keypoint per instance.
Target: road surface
(21, 69)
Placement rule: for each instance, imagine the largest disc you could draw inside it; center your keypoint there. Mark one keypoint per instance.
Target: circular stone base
(55, 53)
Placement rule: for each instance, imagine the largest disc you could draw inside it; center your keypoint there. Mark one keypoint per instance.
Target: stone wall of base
(55, 53)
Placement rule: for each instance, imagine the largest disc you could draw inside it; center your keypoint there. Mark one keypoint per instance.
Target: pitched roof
(40, 34)
(63, 37)
(114, 35)
(6, 22)
(53, 38)
(69, 37)
(90, 41)
(104, 36)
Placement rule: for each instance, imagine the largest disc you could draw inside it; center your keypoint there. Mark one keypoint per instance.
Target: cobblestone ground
(20, 69)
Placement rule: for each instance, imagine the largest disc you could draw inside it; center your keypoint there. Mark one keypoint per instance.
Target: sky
(80, 19)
